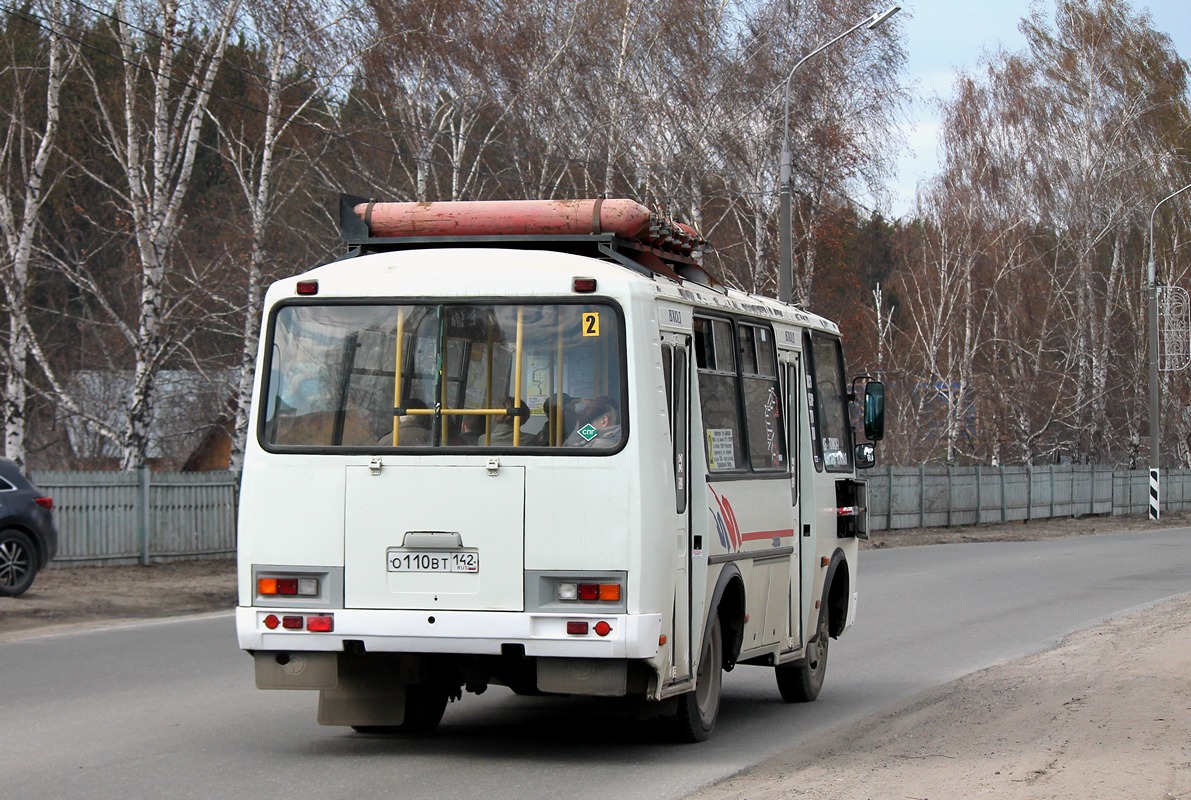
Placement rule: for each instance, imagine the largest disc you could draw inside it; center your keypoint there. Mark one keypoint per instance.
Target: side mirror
(866, 455)
(874, 411)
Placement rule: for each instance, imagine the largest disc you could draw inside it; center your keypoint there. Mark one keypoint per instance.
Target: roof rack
(620, 230)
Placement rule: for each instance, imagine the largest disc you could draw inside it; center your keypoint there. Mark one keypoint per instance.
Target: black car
(28, 538)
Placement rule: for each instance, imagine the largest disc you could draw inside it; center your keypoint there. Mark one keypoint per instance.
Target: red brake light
(589, 591)
(584, 285)
(287, 586)
(45, 502)
(577, 628)
(307, 287)
(291, 623)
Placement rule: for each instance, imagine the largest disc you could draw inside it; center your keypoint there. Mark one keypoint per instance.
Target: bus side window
(668, 377)
(762, 398)
(719, 394)
(704, 346)
(674, 371)
(793, 389)
(829, 421)
(812, 403)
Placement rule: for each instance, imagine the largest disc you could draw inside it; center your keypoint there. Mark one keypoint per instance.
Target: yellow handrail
(555, 435)
(443, 372)
(517, 374)
(397, 373)
(488, 382)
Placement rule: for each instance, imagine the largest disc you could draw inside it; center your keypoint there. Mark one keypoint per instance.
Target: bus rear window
(490, 376)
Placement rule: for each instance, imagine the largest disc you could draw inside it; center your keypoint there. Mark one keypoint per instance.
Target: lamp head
(878, 18)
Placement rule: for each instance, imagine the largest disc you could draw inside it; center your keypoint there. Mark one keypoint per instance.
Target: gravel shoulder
(1105, 714)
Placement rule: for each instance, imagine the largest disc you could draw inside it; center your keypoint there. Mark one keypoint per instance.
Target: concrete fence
(142, 517)
(919, 497)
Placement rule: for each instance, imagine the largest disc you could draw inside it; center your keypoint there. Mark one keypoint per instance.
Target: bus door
(791, 370)
(676, 355)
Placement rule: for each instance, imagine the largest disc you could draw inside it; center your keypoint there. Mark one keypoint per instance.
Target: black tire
(697, 710)
(800, 681)
(18, 563)
(424, 707)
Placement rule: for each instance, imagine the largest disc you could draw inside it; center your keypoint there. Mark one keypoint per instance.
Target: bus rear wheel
(697, 710)
(800, 681)
(424, 707)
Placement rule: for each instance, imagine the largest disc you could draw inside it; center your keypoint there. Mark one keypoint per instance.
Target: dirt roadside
(1105, 714)
(73, 596)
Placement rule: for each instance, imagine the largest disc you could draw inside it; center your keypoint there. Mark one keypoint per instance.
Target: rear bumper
(632, 636)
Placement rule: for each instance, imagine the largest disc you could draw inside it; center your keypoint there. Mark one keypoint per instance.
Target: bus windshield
(435, 375)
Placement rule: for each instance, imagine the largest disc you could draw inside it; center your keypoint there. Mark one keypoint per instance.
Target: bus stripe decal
(753, 536)
(725, 521)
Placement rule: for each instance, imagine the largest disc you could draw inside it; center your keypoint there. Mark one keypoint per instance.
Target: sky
(944, 36)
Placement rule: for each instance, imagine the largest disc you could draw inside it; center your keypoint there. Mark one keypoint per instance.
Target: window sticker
(721, 450)
(591, 323)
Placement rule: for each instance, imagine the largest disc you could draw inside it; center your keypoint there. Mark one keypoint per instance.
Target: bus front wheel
(800, 681)
(698, 710)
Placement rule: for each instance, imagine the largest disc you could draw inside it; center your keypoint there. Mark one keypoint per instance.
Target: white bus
(565, 463)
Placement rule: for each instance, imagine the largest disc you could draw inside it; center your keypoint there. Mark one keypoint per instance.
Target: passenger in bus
(600, 426)
(414, 429)
(471, 430)
(550, 432)
(502, 426)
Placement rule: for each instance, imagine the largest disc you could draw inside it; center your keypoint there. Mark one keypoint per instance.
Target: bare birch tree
(1061, 145)
(308, 48)
(150, 128)
(32, 117)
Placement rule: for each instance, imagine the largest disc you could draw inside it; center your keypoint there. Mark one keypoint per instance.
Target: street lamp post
(785, 278)
(1155, 406)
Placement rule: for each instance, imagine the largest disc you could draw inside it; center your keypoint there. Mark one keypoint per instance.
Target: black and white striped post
(1155, 505)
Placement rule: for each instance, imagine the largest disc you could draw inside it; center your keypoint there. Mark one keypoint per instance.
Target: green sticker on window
(588, 432)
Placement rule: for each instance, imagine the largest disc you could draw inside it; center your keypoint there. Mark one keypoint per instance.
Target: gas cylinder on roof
(626, 218)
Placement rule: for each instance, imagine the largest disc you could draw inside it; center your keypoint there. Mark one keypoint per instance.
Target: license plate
(433, 560)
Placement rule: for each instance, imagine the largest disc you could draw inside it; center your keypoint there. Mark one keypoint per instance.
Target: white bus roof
(494, 271)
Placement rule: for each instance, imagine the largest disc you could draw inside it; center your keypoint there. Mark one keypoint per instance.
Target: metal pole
(1155, 388)
(144, 521)
(785, 274)
(785, 278)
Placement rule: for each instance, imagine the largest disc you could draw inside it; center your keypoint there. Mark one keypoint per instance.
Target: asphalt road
(167, 709)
